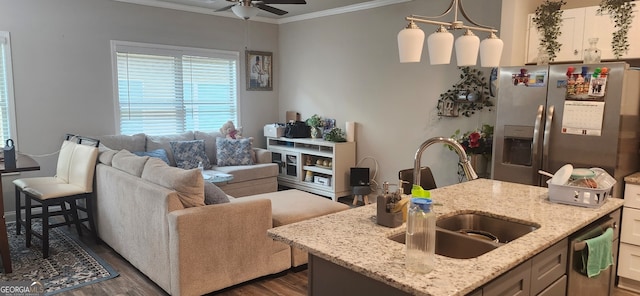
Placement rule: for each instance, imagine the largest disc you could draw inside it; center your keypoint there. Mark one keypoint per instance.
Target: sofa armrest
(221, 244)
(262, 155)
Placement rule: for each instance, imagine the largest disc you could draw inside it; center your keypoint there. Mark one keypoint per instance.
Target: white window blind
(165, 90)
(7, 112)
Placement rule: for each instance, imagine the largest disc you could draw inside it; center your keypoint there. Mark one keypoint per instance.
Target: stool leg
(27, 213)
(92, 223)
(366, 200)
(18, 211)
(74, 214)
(45, 230)
(355, 199)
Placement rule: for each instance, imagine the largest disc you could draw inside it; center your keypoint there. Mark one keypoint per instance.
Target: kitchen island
(352, 240)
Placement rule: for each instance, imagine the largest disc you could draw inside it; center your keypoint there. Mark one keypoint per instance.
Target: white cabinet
(314, 165)
(602, 27)
(571, 38)
(629, 255)
(578, 26)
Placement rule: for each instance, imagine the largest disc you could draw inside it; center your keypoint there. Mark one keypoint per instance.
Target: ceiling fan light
(440, 44)
(467, 47)
(245, 12)
(410, 42)
(491, 51)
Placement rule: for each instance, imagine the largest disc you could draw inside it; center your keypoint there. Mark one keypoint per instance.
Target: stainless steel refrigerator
(548, 116)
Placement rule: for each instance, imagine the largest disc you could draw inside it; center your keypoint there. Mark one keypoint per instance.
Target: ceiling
(313, 8)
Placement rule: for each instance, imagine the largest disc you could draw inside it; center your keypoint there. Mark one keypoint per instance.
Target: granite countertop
(633, 178)
(354, 240)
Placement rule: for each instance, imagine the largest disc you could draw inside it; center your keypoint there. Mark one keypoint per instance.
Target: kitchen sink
(486, 227)
(455, 245)
(470, 235)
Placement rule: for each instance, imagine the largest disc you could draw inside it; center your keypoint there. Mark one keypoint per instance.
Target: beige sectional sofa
(153, 215)
(261, 177)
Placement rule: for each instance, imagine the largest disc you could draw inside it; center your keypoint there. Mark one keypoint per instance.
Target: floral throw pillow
(188, 154)
(233, 152)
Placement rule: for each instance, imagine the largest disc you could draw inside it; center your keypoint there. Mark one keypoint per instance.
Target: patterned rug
(70, 264)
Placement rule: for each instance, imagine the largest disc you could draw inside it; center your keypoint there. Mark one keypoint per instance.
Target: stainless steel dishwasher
(602, 284)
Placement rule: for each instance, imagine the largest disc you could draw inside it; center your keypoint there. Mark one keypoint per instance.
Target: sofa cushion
(189, 184)
(163, 142)
(158, 153)
(106, 156)
(233, 152)
(209, 143)
(135, 142)
(188, 154)
(243, 173)
(214, 195)
(129, 162)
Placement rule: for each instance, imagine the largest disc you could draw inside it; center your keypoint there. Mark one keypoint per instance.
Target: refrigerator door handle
(547, 138)
(535, 149)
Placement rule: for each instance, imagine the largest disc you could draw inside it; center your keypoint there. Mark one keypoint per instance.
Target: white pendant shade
(410, 42)
(467, 47)
(440, 44)
(245, 12)
(491, 51)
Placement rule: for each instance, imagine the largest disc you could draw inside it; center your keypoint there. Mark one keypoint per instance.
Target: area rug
(70, 264)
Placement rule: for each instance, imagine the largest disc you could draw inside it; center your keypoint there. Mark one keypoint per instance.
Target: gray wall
(62, 66)
(346, 67)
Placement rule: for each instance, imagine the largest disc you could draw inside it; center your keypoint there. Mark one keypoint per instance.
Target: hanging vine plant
(621, 11)
(469, 95)
(548, 19)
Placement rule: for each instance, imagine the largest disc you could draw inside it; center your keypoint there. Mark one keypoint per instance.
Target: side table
(23, 163)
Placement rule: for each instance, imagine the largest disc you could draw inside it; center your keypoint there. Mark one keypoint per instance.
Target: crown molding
(340, 10)
(302, 17)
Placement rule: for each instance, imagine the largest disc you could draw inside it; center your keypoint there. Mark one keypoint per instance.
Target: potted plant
(478, 145)
(548, 19)
(315, 122)
(335, 135)
(621, 11)
(470, 94)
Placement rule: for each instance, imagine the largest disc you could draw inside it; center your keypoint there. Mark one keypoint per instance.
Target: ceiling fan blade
(271, 9)
(284, 1)
(225, 8)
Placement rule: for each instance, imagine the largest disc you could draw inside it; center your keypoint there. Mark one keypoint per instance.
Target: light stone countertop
(354, 240)
(633, 178)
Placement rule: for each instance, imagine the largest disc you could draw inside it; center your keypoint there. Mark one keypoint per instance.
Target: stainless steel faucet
(464, 160)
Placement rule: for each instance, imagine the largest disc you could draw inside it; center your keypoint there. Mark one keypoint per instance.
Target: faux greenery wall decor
(621, 11)
(548, 20)
(471, 92)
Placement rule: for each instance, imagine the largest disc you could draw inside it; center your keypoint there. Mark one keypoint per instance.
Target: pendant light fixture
(440, 43)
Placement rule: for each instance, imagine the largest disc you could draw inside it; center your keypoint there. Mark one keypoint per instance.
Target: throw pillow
(214, 195)
(188, 154)
(187, 183)
(233, 152)
(158, 153)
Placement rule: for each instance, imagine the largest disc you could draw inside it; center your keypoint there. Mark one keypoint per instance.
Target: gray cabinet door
(548, 266)
(559, 288)
(516, 282)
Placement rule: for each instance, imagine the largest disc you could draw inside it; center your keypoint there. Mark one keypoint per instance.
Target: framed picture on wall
(259, 70)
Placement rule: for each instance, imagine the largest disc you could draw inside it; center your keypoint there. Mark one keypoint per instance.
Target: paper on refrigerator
(583, 118)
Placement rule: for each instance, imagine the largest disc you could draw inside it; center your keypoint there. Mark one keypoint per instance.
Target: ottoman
(290, 206)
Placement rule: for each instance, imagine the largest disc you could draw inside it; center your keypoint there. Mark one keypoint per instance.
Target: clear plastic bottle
(421, 236)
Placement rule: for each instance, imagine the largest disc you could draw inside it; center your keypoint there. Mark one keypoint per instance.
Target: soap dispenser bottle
(385, 203)
(421, 236)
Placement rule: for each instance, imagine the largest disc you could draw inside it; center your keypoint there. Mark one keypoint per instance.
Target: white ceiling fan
(247, 9)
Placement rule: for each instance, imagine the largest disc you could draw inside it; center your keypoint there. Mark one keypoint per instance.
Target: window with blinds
(166, 90)
(7, 111)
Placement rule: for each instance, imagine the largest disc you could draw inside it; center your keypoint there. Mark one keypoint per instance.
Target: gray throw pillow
(158, 153)
(213, 194)
(188, 154)
(233, 152)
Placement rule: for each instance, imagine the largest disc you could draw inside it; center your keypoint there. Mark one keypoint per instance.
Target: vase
(479, 164)
(314, 132)
(592, 54)
(543, 57)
